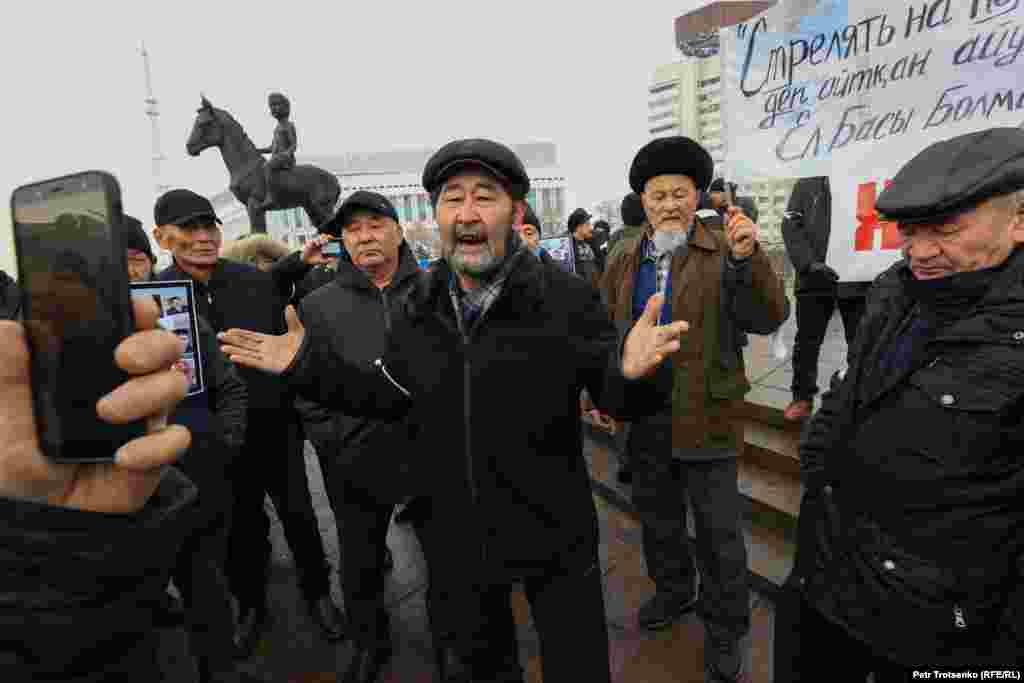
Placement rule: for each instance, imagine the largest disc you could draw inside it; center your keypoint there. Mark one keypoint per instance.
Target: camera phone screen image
(74, 318)
(176, 303)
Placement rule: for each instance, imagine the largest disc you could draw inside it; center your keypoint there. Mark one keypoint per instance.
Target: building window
(661, 129)
(709, 81)
(710, 108)
(658, 117)
(662, 88)
(661, 101)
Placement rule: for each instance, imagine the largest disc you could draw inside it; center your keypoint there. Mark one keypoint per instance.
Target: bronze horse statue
(306, 186)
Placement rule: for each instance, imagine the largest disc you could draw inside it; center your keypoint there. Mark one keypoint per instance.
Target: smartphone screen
(76, 310)
(331, 249)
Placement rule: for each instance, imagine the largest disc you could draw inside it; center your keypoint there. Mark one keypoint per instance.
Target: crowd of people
(909, 554)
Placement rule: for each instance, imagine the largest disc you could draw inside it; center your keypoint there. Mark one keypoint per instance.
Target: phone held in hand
(76, 310)
(332, 248)
(175, 299)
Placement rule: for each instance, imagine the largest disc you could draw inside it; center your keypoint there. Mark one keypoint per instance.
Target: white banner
(853, 89)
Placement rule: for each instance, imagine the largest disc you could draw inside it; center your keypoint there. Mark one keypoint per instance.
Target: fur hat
(247, 249)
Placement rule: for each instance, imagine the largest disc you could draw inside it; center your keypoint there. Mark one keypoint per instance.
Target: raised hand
(648, 343)
(312, 253)
(125, 485)
(740, 233)
(268, 352)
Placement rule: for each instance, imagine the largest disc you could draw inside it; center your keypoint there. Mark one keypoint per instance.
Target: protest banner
(855, 89)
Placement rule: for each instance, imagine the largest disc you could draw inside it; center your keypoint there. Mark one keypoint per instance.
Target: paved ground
(293, 652)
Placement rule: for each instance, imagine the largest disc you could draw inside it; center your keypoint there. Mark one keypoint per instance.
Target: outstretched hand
(120, 487)
(648, 343)
(267, 352)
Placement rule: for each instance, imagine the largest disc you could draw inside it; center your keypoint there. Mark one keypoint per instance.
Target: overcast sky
(362, 76)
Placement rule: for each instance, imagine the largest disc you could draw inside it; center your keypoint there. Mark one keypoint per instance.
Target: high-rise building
(685, 98)
(397, 174)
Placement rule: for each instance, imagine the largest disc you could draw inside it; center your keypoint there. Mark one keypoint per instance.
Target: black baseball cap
(178, 207)
(360, 200)
(494, 157)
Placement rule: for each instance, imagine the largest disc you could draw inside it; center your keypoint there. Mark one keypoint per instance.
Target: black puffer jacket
(354, 316)
(10, 297)
(910, 531)
(79, 590)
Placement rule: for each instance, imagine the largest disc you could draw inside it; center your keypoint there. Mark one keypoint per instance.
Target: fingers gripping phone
(332, 248)
(76, 310)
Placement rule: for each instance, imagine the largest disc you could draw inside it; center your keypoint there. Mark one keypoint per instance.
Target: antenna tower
(153, 112)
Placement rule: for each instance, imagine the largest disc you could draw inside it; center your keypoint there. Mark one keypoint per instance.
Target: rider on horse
(282, 150)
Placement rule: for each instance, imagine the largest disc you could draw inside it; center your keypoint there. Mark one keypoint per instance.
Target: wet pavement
(293, 651)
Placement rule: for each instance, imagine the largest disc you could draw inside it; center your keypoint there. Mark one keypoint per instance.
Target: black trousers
(362, 522)
(199, 575)
(661, 486)
(475, 617)
(273, 463)
(813, 312)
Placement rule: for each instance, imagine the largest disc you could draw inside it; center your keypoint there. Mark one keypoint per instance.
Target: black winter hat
(578, 218)
(496, 158)
(951, 176)
(178, 207)
(632, 210)
(132, 236)
(675, 155)
(530, 218)
(361, 199)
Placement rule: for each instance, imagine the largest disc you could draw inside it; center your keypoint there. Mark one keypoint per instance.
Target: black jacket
(295, 279)
(910, 527)
(241, 296)
(79, 590)
(589, 270)
(495, 418)
(10, 297)
(216, 419)
(353, 316)
(806, 227)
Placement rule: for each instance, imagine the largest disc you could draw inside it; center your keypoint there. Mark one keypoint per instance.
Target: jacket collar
(350, 277)
(524, 288)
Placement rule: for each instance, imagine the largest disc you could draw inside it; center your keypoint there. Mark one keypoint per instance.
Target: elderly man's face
(982, 237)
(670, 202)
(475, 215)
(196, 243)
(372, 240)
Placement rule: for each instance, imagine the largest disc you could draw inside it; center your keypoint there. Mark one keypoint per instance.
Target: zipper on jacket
(379, 364)
(958, 617)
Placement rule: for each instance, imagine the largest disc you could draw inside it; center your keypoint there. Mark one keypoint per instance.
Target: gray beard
(667, 242)
(488, 265)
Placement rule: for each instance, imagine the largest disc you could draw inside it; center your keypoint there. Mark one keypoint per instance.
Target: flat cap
(632, 210)
(955, 175)
(494, 157)
(578, 218)
(361, 199)
(674, 155)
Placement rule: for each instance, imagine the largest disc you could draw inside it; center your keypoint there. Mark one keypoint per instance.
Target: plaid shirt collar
(662, 260)
(471, 305)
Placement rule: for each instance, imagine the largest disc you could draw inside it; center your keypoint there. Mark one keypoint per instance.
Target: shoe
(798, 410)
(366, 664)
(168, 612)
(328, 618)
(665, 608)
(252, 620)
(724, 662)
(451, 667)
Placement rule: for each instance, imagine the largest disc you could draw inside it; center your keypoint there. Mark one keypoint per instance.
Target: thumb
(291, 316)
(652, 312)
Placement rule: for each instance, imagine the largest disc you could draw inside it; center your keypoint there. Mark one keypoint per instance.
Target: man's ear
(1017, 227)
(161, 237)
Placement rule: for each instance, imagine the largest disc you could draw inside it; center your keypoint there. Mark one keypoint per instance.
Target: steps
(769, 480)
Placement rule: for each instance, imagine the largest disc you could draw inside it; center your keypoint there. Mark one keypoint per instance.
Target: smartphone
(332, 248)
(76, 310)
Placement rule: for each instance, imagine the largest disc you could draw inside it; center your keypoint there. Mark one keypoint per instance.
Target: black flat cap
(178, 207)
(632, 210)
(578, 218)
(675, 155)
(361, 200)
(494, 157)
(955, 175)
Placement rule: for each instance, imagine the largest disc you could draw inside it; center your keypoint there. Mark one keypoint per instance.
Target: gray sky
(362, 76)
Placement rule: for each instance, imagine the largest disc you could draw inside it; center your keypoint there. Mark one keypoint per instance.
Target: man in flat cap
(722, 283)
(910, 551)
(581, 230)
(491, 327)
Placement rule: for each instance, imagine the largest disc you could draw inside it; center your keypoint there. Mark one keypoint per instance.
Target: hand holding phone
(76, 310)
(317, 250)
